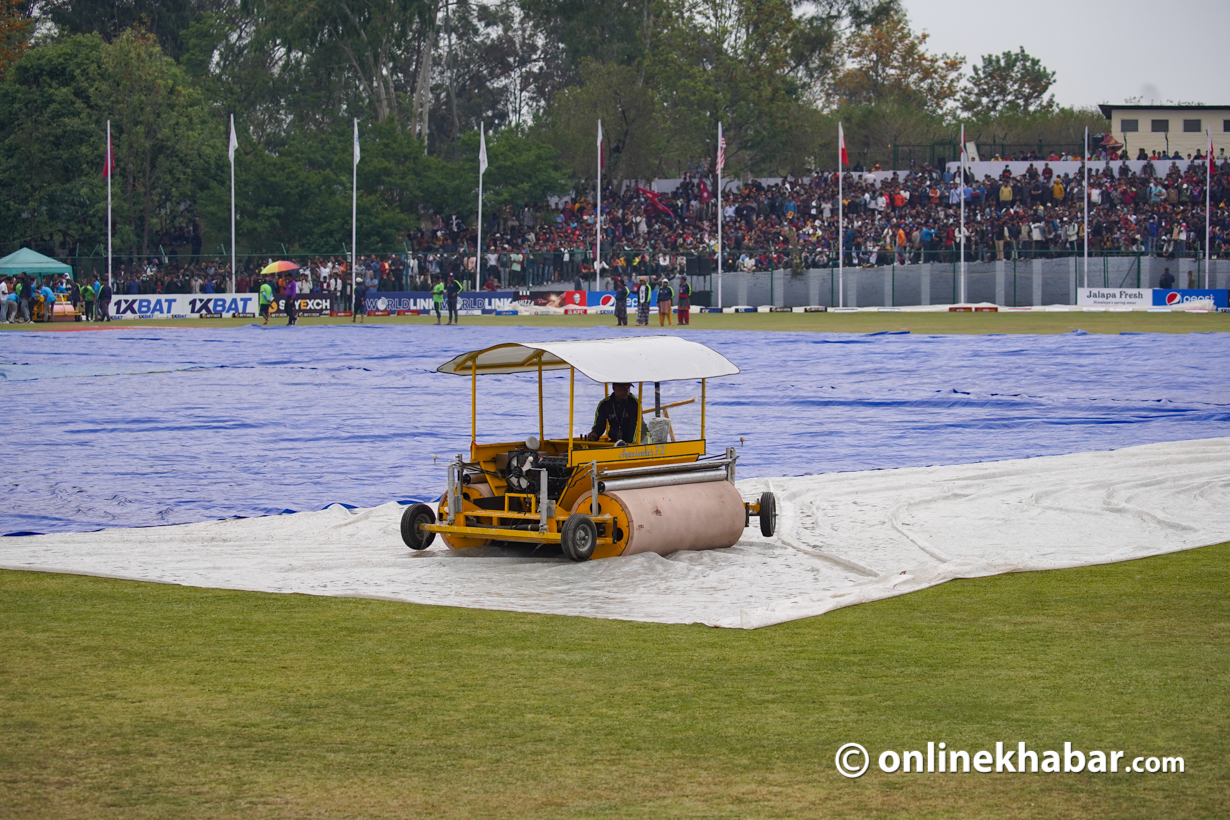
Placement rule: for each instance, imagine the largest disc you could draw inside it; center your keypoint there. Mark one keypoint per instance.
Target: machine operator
(620, 414)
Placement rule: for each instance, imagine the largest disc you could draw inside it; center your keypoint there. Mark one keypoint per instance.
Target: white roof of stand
(635, 359)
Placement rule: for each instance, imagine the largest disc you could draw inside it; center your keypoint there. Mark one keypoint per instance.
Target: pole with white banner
(110, 167)
(841, 219)
(234, 143)
(1086, 158)
(482, 168)
(598, 218)
(961, 195)
(721, 164)
(1208, 183)
(354, 220)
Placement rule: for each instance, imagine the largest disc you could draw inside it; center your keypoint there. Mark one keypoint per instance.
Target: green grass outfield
(916, 322)
(135, 700)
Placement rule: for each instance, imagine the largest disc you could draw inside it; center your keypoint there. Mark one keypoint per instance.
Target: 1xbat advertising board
(182, 306)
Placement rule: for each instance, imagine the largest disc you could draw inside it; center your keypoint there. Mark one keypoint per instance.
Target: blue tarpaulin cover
(142, 426)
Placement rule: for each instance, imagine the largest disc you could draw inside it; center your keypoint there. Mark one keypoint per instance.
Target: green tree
(166, 20)
(1008, 83)
(739, 63)
(16, 26)
(888, 62)
(632, 124)
(51, 191)
(166, 144)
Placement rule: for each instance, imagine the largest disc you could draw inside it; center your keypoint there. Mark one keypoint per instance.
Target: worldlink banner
(468, 302)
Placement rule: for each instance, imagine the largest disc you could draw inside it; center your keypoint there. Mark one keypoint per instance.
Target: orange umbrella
(279, 267)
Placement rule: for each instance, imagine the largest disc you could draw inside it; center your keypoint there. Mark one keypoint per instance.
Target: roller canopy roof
(636, 359)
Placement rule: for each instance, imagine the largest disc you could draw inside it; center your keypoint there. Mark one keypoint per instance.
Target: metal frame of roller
(594, 499)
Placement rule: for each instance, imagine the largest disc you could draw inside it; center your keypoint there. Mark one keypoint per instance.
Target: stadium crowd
(890, 218)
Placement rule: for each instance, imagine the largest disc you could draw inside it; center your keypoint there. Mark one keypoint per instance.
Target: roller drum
(703, 516)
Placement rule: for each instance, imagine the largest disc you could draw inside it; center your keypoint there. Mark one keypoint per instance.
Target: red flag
(721, 157)
(705, 196)
(841, 144)
(655, 203)
(109, 162)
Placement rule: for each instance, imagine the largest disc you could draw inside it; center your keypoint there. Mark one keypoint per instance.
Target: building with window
(1170, 128)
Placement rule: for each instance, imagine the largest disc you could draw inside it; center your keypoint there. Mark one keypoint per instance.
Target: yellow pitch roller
(633, 484)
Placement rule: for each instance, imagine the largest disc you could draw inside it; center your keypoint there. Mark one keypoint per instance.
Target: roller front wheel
(412, 520)
(578, 537)
(768, 514)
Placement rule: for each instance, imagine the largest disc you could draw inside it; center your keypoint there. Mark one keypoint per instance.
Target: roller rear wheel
(411, 522)
(578, 537)
(768, 514)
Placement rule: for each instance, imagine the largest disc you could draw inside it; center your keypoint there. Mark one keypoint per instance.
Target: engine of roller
(524, 473)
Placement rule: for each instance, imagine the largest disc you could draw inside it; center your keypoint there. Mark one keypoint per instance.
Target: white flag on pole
(482, 150)
(356, 142)
(234, 142)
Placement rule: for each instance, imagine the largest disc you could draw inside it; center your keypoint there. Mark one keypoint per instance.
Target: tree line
(421, 75)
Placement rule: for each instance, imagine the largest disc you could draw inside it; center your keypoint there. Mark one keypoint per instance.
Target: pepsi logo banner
(1194, 298)
(1151, 297)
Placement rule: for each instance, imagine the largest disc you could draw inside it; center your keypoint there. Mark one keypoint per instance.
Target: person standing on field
(265, 297)
(621, 302)
(665, 292)
(643, 293)
(437, 298)
(88, 296)
(685, 301)
(292, 300)
(452, 290)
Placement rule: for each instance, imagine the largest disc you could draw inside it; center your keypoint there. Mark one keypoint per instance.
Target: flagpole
(354, 217)
(720, 163)
(961, 196)
(233, 255)
(598, 217)
(1086, 158)
(1208, 183)
(482, 166)
(110, 166)
(841, 223)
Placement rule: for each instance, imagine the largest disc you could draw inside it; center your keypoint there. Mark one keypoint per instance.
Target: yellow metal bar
(666, 407)
(506, 535)
(640, 390)
(702, 409)
(473, 408)
(541, 435)
(493, 532)
(572, 374)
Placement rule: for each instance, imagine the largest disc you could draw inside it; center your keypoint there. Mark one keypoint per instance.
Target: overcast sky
(1100, 51)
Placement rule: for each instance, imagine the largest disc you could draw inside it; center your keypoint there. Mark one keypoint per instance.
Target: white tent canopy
(636, 359)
